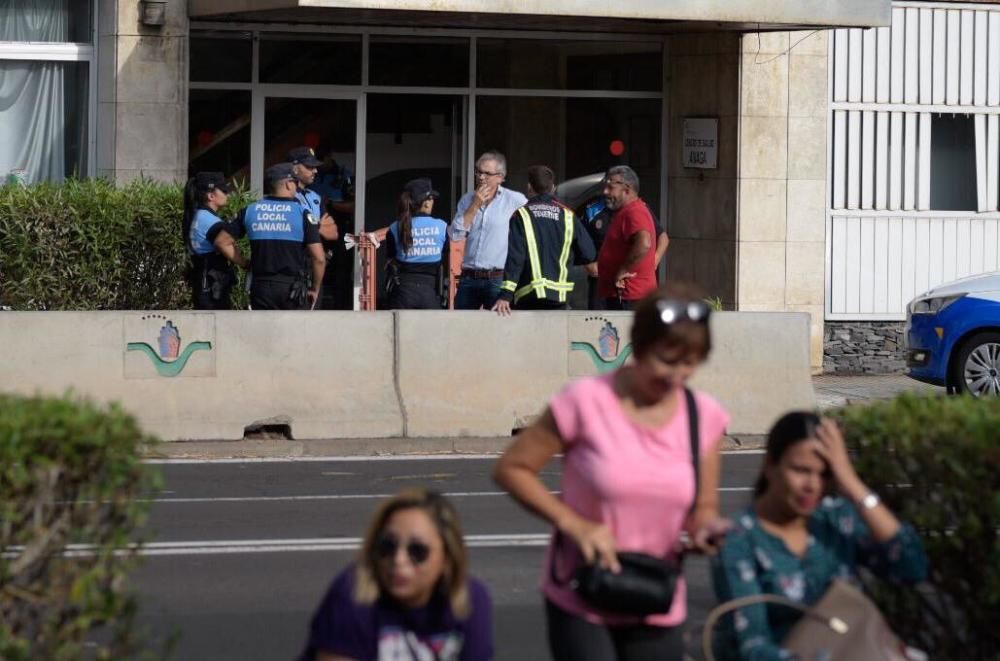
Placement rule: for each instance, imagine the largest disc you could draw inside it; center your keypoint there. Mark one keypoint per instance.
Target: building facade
(915, 171)
(420, 89)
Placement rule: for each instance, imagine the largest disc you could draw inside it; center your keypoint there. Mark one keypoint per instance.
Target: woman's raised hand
(595, 542)
(830, 446)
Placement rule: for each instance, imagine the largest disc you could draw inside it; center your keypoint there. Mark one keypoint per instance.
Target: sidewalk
(831, 392)
(834, 391)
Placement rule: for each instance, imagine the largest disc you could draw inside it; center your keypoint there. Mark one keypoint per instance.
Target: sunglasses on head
(671, 311)
(388, 546)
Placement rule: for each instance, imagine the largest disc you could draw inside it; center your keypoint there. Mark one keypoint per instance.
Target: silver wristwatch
(870, 501)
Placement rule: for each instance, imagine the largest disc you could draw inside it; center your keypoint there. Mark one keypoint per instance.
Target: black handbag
(645, 585)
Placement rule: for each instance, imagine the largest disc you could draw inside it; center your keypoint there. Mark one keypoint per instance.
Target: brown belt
(482, 274)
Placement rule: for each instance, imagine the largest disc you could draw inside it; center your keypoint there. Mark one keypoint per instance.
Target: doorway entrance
(410, 136)
(330, 127)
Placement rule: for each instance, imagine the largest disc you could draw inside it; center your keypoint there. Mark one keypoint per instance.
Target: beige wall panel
(762, 209)
(762, 274)
(806, 218)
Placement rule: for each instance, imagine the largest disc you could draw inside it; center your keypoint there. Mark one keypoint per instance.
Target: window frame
(37, 51)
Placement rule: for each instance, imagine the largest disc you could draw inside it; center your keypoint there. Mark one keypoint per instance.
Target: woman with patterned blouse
(795, 538)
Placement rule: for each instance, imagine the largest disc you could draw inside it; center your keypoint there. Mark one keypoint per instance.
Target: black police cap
(304, 156)
(421, 189)
(279, 171)
(209, 181)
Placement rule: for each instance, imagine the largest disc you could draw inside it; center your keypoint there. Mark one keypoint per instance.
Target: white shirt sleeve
(457, 230)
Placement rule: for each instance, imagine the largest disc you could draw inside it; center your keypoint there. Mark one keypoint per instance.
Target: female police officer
(210, 242)
(414, 246)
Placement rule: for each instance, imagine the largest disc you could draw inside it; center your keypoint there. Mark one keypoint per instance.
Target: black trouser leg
(271, 295)
(573, 638)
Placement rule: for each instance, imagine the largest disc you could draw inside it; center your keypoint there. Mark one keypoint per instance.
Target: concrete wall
(351, 375)
(326, 375)
(701, 216)
(142, 110)
(782, 185)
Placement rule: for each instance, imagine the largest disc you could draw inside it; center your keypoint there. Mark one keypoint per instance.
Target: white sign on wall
(701, 143)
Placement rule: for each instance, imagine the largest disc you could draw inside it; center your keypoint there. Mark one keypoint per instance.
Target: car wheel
(977, 369)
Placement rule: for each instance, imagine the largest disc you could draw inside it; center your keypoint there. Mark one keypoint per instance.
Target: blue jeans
(474, 293)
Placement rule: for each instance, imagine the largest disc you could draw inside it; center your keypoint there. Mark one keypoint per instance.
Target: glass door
(410, 136)
(330, 127)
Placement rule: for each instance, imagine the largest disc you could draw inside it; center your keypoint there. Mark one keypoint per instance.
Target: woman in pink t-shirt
(628, 480)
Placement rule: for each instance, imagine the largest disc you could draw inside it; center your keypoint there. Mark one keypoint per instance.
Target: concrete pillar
(142, 93)
(782, 185)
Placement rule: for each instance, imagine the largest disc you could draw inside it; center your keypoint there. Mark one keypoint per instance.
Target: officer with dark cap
(305, 165)
(282, 233)
(210, 242)
(415, 245)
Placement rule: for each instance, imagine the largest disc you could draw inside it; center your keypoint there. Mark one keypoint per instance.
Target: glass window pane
(221, 57)
(44, 127)
(578, 65)
(47, 20)
(574, 137)
(219, 132)
(427, 62)
(329, 127)
(953, 163)
(310, 60)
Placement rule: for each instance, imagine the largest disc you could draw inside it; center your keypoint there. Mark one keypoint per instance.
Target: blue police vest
(311, 201)
(202, 222)
(274, 220)
(594, 208)
(429, 236)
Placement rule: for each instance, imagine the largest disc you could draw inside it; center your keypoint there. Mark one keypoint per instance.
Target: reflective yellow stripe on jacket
(539, 283)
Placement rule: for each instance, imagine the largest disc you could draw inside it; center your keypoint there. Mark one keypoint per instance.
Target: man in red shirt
(626, 265)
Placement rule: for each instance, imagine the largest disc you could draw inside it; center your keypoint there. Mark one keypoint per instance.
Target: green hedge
(947, 451)
(70, 473)
(91, 245)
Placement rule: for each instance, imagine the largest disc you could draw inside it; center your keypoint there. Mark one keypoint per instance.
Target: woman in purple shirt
(409, 596)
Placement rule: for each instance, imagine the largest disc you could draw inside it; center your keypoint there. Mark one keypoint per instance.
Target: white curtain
(34, 20)
(33, 94)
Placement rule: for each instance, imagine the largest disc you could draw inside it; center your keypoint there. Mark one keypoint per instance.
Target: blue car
(953, 336)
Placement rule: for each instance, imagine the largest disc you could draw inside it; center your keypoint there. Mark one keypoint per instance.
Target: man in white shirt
(483, 222)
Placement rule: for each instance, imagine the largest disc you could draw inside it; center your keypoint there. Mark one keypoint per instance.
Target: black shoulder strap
(692, 407)
(695, 441)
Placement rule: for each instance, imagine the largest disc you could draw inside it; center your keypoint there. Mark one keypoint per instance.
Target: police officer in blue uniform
(282, 232)
(415, 245)
(305, 167)
(210, 242)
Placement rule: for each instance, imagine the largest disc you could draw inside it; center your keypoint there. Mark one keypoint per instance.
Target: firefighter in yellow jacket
(544, 234)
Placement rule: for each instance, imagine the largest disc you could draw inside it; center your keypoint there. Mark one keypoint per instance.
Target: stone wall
(864, 347)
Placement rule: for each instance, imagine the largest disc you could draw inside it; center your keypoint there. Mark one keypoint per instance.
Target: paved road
(243, 551)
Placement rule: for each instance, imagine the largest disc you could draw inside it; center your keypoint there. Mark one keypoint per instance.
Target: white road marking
(345, 496)
(332, 458)
(350, 458)
(332, 496)
(224, 547)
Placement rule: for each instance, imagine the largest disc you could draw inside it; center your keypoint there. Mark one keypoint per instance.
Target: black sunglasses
(671, 311)
(388, 546)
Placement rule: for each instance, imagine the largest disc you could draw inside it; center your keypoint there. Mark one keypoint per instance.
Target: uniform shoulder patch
(311, 218)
